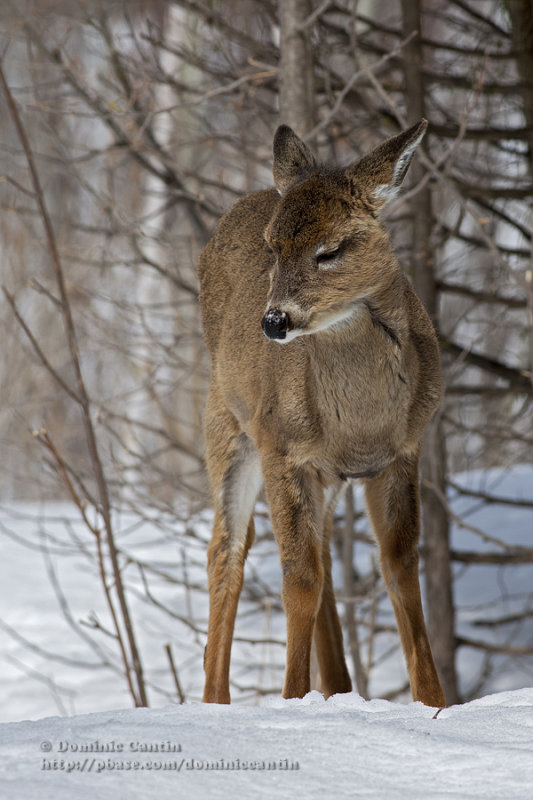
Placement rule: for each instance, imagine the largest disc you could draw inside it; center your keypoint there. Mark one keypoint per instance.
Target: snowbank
(344, 747)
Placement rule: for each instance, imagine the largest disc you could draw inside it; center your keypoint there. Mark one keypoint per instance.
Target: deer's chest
(345, 414)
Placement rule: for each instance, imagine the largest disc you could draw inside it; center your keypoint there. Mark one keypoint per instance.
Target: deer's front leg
(295, 499)
(393, 503)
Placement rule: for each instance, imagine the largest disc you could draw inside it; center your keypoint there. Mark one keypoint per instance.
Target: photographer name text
(97, 746)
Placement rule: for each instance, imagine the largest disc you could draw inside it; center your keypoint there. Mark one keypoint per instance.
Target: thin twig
(174, 671)
(312, 18)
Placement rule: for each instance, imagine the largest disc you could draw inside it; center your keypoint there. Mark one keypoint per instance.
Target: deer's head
(329, 250)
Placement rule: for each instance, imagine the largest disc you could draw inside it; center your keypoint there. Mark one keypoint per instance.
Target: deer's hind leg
(235, 477)
(334, 675)
(393, 503)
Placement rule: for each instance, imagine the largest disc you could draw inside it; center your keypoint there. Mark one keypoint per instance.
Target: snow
(345, 747)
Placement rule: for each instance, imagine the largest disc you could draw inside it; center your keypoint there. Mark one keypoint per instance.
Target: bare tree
(438, 580)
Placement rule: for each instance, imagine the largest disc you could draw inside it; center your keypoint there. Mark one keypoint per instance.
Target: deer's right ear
(292, 158)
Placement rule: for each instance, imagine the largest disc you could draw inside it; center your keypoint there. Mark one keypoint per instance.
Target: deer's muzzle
(276, 324)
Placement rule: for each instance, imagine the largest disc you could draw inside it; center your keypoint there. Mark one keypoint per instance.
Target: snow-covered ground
(345, 747)
(342, 748)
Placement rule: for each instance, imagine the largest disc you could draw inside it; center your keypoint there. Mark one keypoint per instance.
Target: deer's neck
(379, 317)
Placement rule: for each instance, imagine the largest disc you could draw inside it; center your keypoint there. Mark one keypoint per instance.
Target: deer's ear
(292, 158)
(382, 170)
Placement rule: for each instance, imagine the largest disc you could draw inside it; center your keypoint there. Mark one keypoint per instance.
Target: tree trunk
(436, 548)
(297, 109)
(521, 14)
(296, 82)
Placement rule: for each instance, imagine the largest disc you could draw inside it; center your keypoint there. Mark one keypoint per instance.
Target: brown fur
(348, 394)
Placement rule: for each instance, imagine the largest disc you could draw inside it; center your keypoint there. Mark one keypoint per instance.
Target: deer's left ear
(382, 170)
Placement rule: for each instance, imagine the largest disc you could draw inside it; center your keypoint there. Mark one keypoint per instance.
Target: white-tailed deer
(325, 367)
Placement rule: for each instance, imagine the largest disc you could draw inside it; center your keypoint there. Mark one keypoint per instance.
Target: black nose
(275, 324)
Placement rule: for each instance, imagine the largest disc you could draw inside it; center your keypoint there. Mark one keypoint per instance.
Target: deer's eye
(327, 257)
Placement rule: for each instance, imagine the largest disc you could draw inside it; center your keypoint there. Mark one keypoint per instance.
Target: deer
(324, 369)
